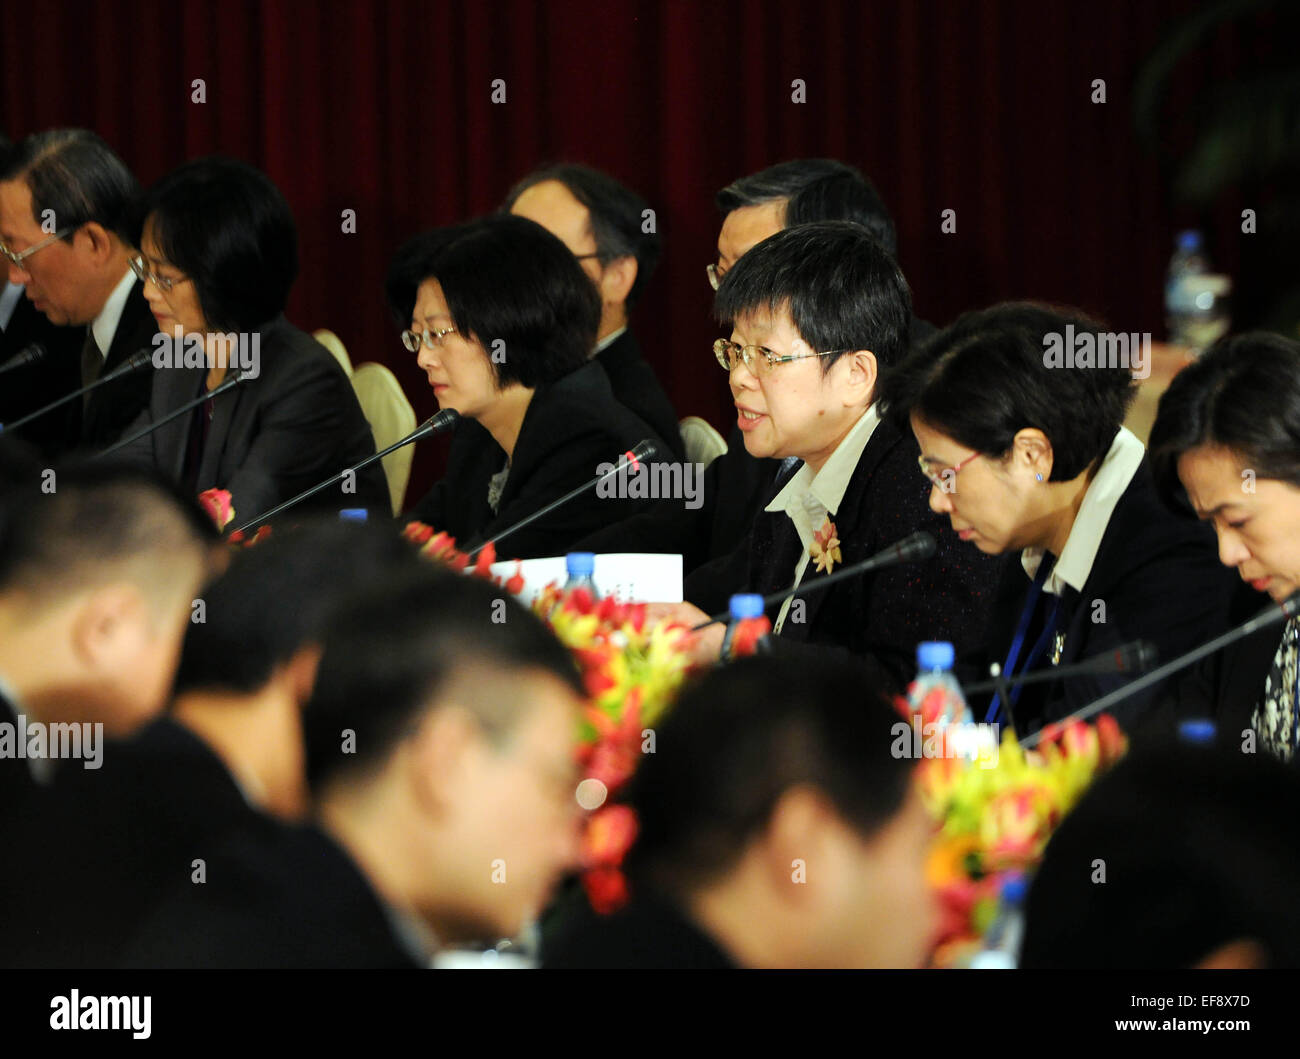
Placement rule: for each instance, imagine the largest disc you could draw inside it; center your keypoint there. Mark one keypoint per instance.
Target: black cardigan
(880, 616)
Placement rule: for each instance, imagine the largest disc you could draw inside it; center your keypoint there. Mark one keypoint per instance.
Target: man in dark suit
(65, 201)
(113, 842)
(97, 577)
(603, 223)
(31, 385)
(804, 378)
(441, 760)
(736, 484)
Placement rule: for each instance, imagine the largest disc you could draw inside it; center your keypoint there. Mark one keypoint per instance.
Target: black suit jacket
(276, 897)
(880, 616)
(112, 842)
(294, 425)
(636, 386)
(116, 405)
(23, 390)
(17, 786)
(1156, 577)
(571, 427)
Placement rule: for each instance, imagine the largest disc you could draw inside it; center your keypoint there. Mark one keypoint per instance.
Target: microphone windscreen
(644, 450)
(920, 545)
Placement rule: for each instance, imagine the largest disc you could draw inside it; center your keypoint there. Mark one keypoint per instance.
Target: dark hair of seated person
(276, 597)
(615, 212)
(984, 378)
(843, 290)
(1200, 849)
(227, 227)
(99, 520)
(738, 738)
(506, 279)
(1242, 394)
(387, 654)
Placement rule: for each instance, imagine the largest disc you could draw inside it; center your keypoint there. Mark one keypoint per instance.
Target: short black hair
(986, 377)
(227, 227)
(617, 216)
(1243, 394)
(64, 528)
(389, 652)
(842, 289)
(815, 189)
(1200, 847)
(275, 598)
(738, 738)
(508, 279)
(77, 175)
(407, 269)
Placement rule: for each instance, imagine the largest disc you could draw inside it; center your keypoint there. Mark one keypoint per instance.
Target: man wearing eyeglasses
(64, 199)
(603, 224)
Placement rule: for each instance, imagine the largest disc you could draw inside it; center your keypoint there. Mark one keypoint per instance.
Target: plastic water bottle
(748, 628)
(934, 662)
(1196, 299)
(579, 566)
(354, 514)
(1001, 949)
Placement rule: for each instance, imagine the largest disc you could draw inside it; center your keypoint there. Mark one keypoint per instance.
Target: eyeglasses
(145, 274)
(758, 359)
(715, 275)
(412, 340)
(944, 475)
(17, 259)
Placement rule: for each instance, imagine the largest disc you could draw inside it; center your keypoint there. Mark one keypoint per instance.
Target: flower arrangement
(218, 505)
(631, 671)
(997, 809)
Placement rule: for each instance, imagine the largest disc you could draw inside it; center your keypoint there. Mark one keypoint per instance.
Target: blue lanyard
(1026, 615)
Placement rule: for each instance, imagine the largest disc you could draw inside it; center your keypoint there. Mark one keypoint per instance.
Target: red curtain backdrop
(384, 107)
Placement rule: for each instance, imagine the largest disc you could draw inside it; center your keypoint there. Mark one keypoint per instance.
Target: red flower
(606, 890)
(417, 532)
(516, 583)
(486, 557)
(216, 502)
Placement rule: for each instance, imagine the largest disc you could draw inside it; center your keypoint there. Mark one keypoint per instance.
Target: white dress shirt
(1074, 564)
(808, 498)
(104, 326)
(608, 341)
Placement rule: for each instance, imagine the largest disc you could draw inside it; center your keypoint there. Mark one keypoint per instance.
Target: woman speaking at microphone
(503, 321)
(1227, 439)
(218, 252)
(1025, 456)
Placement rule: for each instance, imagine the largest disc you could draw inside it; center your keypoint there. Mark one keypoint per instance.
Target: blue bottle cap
(1189, 240)
(354, 514)
(580, 564)
(746, 605)
(935, 654)
(1014, 888)
(1200, 730)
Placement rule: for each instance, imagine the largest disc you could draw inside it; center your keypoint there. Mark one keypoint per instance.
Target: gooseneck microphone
(1137, 656)
(917, 546)
(1270, 615)
(643, 451)
(435, 424)
(188, 406)
(140, 359)
(32, 354)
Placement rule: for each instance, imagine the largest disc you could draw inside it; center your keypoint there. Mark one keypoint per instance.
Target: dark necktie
(92, 362)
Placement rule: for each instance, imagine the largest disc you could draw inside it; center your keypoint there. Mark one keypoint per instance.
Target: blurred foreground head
(1181, 856)
(441, 742)
(99, 566)
(247, 668)
(775, 816)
